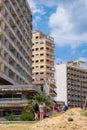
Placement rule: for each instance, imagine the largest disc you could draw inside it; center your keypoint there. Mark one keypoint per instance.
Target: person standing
(55, 108)
(36, 111)
(41, 108)
(64, 108)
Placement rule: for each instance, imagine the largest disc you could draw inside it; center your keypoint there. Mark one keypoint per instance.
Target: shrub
(29, 107)
(7, 115)
(41, 98)
(70, 119)
(26, 117)
(10, 117)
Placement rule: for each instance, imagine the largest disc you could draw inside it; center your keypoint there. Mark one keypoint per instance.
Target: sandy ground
(57, 122)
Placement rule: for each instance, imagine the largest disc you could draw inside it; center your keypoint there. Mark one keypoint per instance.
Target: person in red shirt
(55, 108)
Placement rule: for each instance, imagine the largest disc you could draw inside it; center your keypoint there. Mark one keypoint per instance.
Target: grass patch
(84, 113)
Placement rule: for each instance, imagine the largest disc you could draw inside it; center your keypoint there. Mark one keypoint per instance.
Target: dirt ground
(56, 122)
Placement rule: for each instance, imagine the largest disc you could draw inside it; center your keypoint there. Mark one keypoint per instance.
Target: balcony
(13, 103)
(53, 93)
(20, 88)
(52, 86)
(38, 82)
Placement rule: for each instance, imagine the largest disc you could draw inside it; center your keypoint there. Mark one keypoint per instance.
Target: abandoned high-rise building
(71, 82)
(15, 42)
(43, 60)
(15, 55)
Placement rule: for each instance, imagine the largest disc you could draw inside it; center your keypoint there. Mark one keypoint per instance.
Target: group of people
(39, 111)
(56, 108)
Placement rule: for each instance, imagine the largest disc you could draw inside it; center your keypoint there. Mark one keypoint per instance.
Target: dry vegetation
(56, 122)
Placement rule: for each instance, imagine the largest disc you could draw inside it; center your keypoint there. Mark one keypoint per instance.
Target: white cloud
(37, 11)
(51, 3)
(69, 24)
(84, 60)
(36, 20)
(35, 7)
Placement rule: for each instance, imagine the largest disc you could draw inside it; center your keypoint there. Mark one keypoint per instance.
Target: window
(47, 48)
(47, 54)
(32, 55)
(41, 48)
(37, 49)
(42, 66)
(47, 60)
(41, 60)
(37, 73)
(37, 61)
(41, 72)
(42, 54)
(41, 42)
(36, 37)
(37, 54)
(32, 80)
(41, 79)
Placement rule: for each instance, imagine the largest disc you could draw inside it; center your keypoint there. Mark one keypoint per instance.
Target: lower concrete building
(14, 98)
(71, 82)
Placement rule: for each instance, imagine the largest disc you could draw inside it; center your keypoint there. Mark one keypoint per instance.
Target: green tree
(38, 99)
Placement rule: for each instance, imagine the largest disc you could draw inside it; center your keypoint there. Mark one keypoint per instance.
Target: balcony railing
(13, 103)
(53, 93)
(20, 88)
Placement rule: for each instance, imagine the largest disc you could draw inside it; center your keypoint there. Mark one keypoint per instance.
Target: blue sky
(66, 21)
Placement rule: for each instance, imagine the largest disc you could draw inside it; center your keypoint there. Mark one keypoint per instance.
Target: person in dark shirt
(65, 108)
(36, 111)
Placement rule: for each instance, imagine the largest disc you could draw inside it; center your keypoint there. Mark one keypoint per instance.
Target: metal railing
(13, 103)
(20, 88)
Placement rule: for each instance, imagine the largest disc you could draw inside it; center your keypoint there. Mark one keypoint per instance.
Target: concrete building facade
(42, 59)
(15, 55)
(71, 82)
(15, 42)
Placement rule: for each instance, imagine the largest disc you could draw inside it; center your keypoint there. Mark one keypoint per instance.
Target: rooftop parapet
(79, 64)
(42, 35)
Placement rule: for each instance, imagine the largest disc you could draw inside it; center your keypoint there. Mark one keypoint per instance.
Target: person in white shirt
(41, 109)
